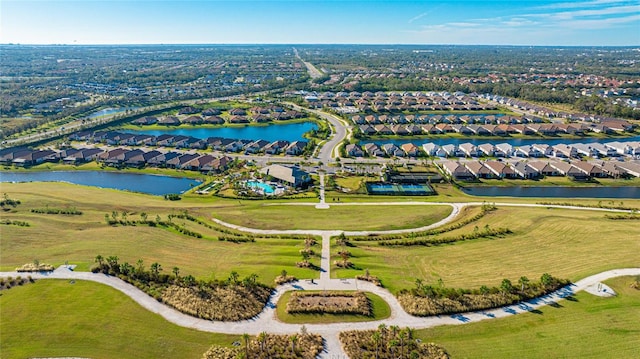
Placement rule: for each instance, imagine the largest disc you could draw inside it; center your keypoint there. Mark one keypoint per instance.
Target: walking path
(266, 320)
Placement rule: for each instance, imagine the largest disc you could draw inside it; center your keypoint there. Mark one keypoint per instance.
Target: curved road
(266, 320)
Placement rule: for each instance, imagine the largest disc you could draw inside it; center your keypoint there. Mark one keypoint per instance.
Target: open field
(91, 320)
(381, 310)
(266, 215)
(78, 239)
(589, 327)
(568, 244)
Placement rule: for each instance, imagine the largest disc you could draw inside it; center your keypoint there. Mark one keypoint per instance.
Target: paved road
(340, 131)
(314, 73)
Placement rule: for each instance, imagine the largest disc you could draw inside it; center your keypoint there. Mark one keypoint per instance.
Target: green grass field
(565, 243)
(273, 216)
(381, 310)
(590, 327)
(55, 239)
(54, 318)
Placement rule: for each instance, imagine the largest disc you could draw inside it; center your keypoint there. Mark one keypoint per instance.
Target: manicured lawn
(381, 310)
(589, 327)
(564, 243)
(273, 216)
(54, 318)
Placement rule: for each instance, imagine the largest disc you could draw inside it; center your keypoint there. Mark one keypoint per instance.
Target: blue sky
(580, 22)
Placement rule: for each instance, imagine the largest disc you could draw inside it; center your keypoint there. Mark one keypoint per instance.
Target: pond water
(272, 132)
(555, 192)
(110, 111)
(511, 141)
(144, 183)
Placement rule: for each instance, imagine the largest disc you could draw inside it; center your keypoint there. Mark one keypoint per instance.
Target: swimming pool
(266, 189)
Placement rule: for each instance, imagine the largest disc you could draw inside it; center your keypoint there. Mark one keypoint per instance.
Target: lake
(554, 192)
(144, 183)
(511, 141)
(272, 132)
(110, 111)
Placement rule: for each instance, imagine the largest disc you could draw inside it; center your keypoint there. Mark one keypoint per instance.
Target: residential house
(564, 151)
(479, 170)
(457, 171)
(431, 149)
(34, 157)
(218, 165)
(275, 147)
(198, 163)
(373, 150)
(523, 170)
(503, 150)
(141, 158)
(392, 150)
(543, 148)
(162, 159)
(590, 169)
(181, 161)
(487, 149)
(543, 168)
(354, 150)
(256, 146)
(411, 150)
(569, 170)
(469, 149)
(214, 120)
(169, 121)
(500, 169)
(296, 148)
(631, 168)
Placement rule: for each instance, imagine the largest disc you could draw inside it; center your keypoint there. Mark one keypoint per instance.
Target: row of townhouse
(579, 170)
(117, 157)
(530, 129)
(218, 120)
(115, 138)
(506, 150)
(395, 98)
(375, 119)
(386, 150)
(613, 123)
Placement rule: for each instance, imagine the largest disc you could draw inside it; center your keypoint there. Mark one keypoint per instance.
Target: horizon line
(301, 44)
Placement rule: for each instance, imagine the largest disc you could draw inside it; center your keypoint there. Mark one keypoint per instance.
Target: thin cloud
(418, 17)
(581, 4)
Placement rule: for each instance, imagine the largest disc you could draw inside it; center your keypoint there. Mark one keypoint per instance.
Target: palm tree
(140, 264)
(176, 272)
(523, 281)
(506, 286)
(262, 338)
(155, 269)
(233, 277)
(403, 336)
(376, 341)
(294, 340)
(99, 259)
(246, 337)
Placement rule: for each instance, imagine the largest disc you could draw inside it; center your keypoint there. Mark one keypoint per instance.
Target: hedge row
(488, 232)
(485, 210)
